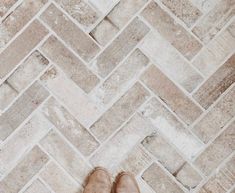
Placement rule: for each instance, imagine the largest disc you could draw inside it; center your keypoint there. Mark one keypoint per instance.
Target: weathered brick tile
(169, 60)
(120, 47)
(5, 6)
(18, 18)
(184, 10)
(164, 152)
(113, 118)
(215, 52)
(24, 171)
(75, 99)
(37, 187)
(104, 32)
(172, 130)
(205, 6)
(118, 147)
(162, 86)
(21, 109)
(136, 161)
(173, 32)
(216, 118)
(216, 84)
(70, 127)
(80, 11)
(65, 156)
(188, 177)
(66, 29)
(73, 67)
(25, 42)
(7, 95)
(159, 181)
(121, 78)
(26, 73)
(223, 179)
(214, 20)
(58, 180)
(104, 5)
(221, 148)
(25, 138)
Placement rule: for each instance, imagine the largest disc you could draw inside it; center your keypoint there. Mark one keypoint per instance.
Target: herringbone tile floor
(140, 85)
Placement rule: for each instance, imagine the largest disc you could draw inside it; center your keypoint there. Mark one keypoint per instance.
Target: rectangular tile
(184, 10)
(28, 71)
(70, 127)
(210, 91)
(171, 129)
(75, 99)
(205, 6)
(37, 187)
(113, 118)
(118, 147)
(7, 95)
(214, 154)
(120, 47)
(173, 32)
(119, 81)
(21, 109)
(66, 29)
(176, 99)
(164, 55)
(72, 66)
(24, 171)
(218, 116)
(103, 5)
(215, 52)
(25, 138)
(155, 177)
(58, 180)
(18, 18)
(25, 42)
(214, 20)
(70, 160)
(5, 6)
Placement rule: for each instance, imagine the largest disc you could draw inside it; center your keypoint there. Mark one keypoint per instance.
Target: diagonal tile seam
(45, 184)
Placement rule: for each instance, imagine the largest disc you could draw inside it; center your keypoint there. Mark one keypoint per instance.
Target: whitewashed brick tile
(24, 171)
(58, 180)
(205, 5)
(21, 109)
(75, 99)
(70, 127)
(7, 95)
(66, 29)
(169, 60)
(5, 6)
(70, 160)
(37, 187)
(172, 130)
(121, 78)
(103, 5)
(24, 139)
(118, 147)
(113, 118)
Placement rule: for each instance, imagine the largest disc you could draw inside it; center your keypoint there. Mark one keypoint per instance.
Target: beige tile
(24, 139)
(5, 6)
(167, 58)
(37, 187)
(103, 5)
(214, 154)
(70, 127)
(69, 159)
(205, 6)
(171, 129)
(173, 32)
(175, 98)
(210, 91)
(215, 119)
(21, 109)
(7, 95)
(120, 47)
(58, 180)
(155, 177)
(120, 80)
(184, 10)
(34, 32)
(24, 171)
(17, 19)
(113, 118)
(72, 66)
(66, 29)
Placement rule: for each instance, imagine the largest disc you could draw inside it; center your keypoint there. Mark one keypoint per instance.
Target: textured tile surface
(145, 86)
